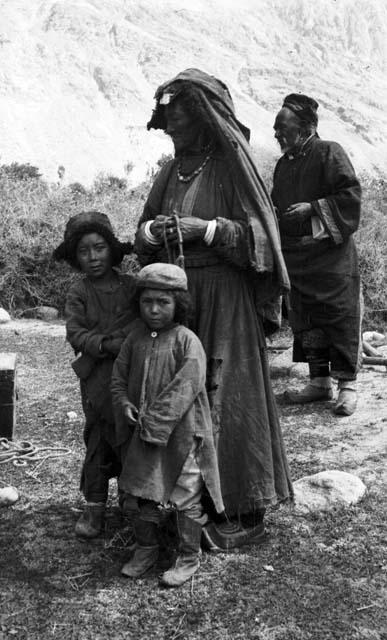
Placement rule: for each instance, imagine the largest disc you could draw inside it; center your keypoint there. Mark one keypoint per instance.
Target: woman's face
(182, 128)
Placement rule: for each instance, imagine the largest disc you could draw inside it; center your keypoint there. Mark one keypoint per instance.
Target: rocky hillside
(77, 77)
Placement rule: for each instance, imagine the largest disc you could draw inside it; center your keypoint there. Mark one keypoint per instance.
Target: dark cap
(302, 106)
(90, 222)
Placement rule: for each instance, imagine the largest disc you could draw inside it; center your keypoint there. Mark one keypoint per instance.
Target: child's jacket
(163, 374)
(91, 315)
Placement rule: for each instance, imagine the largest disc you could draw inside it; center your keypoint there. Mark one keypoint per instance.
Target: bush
(16, 171)
(33, 219)
(34, 215)
(371, 240)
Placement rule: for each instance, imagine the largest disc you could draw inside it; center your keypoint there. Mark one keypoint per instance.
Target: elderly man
(317, 197)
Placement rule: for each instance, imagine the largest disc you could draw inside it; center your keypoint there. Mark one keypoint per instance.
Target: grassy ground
(314, 578)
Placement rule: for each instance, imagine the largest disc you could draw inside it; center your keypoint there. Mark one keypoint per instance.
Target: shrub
(33, 219)
(16, 171)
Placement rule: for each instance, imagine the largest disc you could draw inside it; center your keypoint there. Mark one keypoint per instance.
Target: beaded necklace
(187, 177)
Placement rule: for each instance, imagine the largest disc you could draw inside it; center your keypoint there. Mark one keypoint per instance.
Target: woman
(210, 202)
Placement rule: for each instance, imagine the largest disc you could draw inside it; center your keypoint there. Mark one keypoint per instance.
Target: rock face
(326, 490)
(77, 78)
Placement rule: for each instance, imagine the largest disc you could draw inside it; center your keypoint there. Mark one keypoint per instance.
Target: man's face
(288, 130)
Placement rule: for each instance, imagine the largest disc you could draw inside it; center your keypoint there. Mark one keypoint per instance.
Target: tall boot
(90, 523)
(147, 550)
(187, 561)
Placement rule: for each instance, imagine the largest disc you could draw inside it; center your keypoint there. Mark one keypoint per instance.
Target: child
(158, 384)
(98, 311)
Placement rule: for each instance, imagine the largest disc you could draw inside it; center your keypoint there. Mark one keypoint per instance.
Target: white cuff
(150, 238)
(210, 232)
(318, 229)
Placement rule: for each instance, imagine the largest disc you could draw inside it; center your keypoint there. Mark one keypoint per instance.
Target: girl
(98, 311)
(158, 387)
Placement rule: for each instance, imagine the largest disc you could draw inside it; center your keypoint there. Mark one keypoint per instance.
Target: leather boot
(187, 561)
(347, 398)
(310, 393)
(89, 524)
(146, 552)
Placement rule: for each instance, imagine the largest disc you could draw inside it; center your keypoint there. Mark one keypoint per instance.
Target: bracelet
(151, 239)
(210, 232)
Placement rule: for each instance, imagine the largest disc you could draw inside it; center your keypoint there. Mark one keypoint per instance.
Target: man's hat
(302, 106)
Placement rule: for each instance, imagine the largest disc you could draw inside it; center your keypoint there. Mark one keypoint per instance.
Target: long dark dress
(252, 462)
(324, 273)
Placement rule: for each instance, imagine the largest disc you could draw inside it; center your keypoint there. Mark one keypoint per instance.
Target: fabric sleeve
(339, 211)
(81, 338)
(120, 376)
(230, 241)
(168, 408)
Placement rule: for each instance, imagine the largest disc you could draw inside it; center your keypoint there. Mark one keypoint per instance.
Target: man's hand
(131, 413)
(298, 212)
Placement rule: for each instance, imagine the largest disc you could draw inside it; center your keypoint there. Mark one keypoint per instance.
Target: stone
(8, 496)
(326, 490)
(46, 313)
(4, 316)
(7, 394)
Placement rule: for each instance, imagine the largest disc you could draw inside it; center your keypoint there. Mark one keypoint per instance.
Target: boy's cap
(162, 275)
(89, 222)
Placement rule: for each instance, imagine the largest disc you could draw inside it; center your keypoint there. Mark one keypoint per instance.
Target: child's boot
(147, 550)
(187, 561)
(89, 524)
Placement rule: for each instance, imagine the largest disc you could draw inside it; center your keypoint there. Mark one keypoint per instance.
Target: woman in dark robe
(212, 199)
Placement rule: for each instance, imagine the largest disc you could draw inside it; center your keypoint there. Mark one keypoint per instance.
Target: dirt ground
(321, 577)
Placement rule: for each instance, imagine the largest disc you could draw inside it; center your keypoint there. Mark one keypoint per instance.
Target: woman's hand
(191, 229)
(157, 226)
(298, 212)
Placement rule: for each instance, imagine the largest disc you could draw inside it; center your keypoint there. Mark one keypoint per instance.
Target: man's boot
(316, 390)
(347, 398)
(146, 552)
(187, 561)
(89, 524)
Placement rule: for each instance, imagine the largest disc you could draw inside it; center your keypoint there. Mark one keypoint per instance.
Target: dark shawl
(265, 255)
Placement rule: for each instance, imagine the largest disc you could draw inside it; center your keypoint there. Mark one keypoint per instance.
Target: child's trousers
(102, 460)
(185, 497)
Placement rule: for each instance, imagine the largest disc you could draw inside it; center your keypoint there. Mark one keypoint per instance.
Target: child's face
(94, 255)
(157, 308)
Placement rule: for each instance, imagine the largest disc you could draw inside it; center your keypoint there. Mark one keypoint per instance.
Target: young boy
(98, 311)
(158, 386)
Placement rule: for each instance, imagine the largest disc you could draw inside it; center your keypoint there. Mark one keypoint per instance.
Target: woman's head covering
(161, 275)
(90, 222)
(303, 107)
(215, 89)
(265, 256)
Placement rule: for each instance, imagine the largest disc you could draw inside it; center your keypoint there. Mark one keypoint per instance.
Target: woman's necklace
(188, 176)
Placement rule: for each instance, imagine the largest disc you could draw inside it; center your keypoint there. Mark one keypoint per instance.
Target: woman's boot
(147, 550)
(187, 561)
